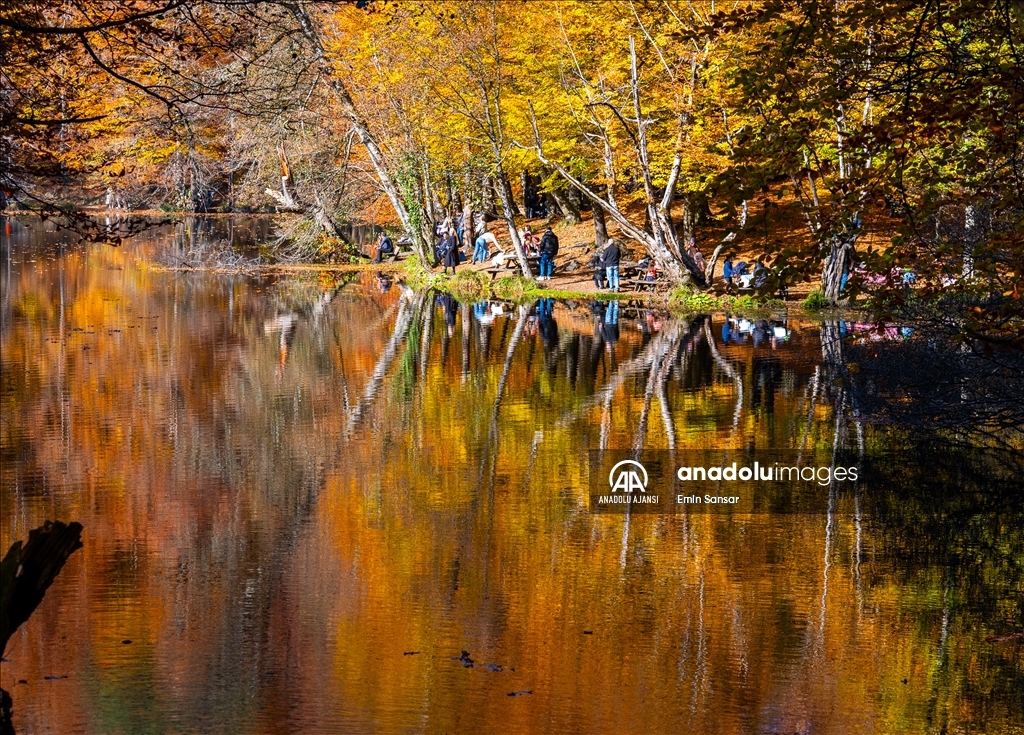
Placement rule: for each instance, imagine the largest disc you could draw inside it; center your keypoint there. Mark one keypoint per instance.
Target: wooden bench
(511, 266)
(641, 284)
(505, 269)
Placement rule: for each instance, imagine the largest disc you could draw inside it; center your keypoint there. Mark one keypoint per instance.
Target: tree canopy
(835, 140)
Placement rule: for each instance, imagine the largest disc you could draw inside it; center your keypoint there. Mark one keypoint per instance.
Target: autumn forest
(823, 137)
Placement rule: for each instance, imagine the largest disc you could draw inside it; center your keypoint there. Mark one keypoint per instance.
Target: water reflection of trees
(324, 476)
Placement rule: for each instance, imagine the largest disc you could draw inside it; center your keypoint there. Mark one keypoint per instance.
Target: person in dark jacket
(548, 251)
(385, 248)
(727, 271)
(611, 257)
(452, 254)
(760, 274)
(597, 263)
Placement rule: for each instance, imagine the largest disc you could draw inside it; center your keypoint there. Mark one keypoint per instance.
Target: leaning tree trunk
(507, 207)
(508, 201)
(312, 33)
(600, 228)
(488, 209)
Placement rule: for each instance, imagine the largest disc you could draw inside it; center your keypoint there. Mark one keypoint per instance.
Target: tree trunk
(412, 224)
(505, 192)
(970, 236)
(689, 221)
(324, 220)
(570, 212)
(508, 202)
(600, 228)
(524, 184)
(468, 230)
(488, 209)
(834, 266)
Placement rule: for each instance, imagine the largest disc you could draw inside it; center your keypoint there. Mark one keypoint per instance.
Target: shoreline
(471, 283)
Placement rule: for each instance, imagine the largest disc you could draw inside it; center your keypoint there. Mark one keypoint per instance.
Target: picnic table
(630, 277)
(510, 266)
(642, 284)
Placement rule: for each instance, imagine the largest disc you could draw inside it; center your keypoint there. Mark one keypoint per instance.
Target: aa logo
(625, 478)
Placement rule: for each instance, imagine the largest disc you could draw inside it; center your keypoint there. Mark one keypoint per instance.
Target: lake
(325, 502)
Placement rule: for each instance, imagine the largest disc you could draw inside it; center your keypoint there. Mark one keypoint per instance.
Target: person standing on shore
(452, 254)
(611, 257)
(548, 251)
(727, 271)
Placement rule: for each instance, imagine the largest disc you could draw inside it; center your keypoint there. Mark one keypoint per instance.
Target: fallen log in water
(26, 572)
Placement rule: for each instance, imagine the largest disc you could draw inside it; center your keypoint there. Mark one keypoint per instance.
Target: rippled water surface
(311, 500)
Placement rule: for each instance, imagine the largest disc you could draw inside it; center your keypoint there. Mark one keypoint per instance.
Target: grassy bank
(477, 285)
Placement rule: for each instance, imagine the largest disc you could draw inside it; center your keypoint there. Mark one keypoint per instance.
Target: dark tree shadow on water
(26, 572)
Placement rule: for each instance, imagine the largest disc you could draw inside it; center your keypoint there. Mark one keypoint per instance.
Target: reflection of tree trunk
(832, 349)
(411, 308)
(815, 386)
(465, 340)
(652, 353)
(524, 312)
(656, 384)
(492, 434)
(728, 369)
(426, 332)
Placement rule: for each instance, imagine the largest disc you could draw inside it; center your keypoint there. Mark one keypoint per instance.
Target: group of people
(740, 274)
(545, 248)
(736, 329)
(605, 263)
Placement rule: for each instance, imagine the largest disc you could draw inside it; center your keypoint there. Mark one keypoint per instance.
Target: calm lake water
(305, 496)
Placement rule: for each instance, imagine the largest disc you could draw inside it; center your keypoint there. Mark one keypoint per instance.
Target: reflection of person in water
(767, 375)
(450, 307)
(760, 332)
(547, 327)
(548, 330)
(610, 324)
(735, 331)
